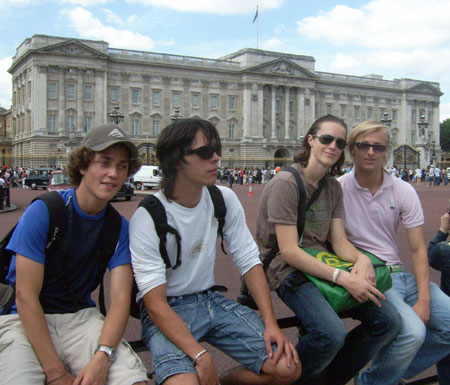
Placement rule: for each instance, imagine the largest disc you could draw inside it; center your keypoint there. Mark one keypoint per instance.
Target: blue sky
(393, 38)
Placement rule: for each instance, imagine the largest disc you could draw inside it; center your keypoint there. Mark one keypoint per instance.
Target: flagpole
(257, 28)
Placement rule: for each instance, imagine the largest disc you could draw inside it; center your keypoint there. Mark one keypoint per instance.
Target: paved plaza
(434, 201)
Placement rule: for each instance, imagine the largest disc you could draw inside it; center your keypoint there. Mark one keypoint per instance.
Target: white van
(147, 176)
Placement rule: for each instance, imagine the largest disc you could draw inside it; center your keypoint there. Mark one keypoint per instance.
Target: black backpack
(57, 229)
(155, 208)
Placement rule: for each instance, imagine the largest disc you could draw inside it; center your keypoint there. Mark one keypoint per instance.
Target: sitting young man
(375, 203)
(58, 336)
(180, 309)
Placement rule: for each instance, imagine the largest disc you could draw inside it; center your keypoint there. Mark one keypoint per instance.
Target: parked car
(38, 178)
(127, 191)
(59, 180)
(147, 176)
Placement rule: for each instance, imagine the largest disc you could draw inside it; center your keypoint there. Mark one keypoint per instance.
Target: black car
(127, 191)
(38, 178)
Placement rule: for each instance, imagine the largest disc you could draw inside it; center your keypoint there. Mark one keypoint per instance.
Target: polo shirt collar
(387, 180)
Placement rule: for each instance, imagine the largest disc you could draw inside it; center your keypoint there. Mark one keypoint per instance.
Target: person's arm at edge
(29, 279)
(257, 284)
(421, 272)
(121, 280)
(174, 328)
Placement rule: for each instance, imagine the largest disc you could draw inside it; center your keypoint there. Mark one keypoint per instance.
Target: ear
(310, 140)
(82, 172)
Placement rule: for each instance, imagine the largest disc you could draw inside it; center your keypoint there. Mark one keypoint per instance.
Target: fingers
(268, 346)
(280, 348)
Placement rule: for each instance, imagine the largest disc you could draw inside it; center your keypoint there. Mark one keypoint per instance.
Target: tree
(445, 135)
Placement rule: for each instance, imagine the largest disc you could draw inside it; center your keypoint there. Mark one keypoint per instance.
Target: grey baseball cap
(101, 137)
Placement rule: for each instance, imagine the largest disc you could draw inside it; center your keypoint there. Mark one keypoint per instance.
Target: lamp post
(176, 116)
(386, 121)
(433, 154)
(422, 125)
(116, 116)
(73, 140)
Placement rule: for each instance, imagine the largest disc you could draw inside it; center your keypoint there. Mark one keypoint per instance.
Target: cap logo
(116, 133)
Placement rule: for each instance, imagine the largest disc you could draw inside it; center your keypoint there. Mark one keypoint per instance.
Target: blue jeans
(417, 346)
(234, 329)
(326, 343)
(439, 259)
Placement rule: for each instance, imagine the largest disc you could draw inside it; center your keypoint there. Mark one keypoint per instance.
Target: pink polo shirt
(371, 222)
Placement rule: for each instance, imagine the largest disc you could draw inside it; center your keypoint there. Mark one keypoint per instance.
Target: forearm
(115, 323)
(422, 274)
(346, 251)
(257, 284)
(36, 329)
(173, 327)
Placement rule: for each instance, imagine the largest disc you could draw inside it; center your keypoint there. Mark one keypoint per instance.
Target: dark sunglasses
(327, 139)
(364, 146)
(205, 152)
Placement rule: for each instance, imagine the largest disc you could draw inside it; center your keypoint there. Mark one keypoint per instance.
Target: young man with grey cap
(54, 333)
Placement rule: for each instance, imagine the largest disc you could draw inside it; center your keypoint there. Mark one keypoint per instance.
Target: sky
(393, 38)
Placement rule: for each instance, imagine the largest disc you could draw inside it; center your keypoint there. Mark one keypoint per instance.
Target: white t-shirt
(197, 227)
(371, 222)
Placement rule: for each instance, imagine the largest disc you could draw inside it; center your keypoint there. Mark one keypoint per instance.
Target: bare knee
(281, 372)
(181, 379)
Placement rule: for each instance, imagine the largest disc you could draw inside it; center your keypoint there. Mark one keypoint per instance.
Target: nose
(370, 151)
(215, 157)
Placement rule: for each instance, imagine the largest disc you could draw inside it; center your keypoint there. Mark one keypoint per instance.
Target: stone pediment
(425, 88)
(72, 47)
(282, 67)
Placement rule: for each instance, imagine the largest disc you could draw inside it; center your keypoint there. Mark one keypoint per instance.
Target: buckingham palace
(261, 102)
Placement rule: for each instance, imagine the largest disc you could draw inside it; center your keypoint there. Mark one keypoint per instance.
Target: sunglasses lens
(363, 146)
(206, 152)
(379, 147)
(340, 143)
(326, 139)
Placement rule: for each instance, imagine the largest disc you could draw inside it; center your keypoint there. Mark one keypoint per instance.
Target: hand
(360, 288)
(272, 335)
(445, 223)
(422, 309)
(364, 267)
(206, 371)
(95, 372)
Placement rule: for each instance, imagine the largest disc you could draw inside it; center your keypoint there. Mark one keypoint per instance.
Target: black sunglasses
(364, 146)
(327, 139)
(205, 152)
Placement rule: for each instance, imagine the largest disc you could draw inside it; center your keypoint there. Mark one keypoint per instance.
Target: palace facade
(261, 102)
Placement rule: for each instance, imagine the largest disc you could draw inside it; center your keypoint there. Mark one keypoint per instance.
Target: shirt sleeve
(30, 236)
(239, 240)
(411, 213)
(122, 254)
(337, 197)
(148, 266)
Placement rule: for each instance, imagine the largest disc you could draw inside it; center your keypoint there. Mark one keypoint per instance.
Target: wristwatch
(110, 352)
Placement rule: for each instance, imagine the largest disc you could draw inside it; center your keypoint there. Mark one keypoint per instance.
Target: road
(434, 201)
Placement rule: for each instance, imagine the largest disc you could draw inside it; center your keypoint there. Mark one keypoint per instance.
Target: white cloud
(5, 82)
(344, 63)
(272, 44)
(444, 111)
(89, 27)
(227, 7)
(111, 17)
(84, 3)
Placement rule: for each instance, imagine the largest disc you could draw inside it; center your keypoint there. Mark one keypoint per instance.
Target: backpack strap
(302, 208)
(109, 237)
(220, 210)
(158, 213)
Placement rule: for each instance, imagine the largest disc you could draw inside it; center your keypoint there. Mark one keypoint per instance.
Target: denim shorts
(233, 328)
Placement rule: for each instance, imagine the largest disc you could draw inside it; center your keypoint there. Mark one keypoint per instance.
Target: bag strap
(109, 238)
(302, 208)
(158, 213)
(220, 211)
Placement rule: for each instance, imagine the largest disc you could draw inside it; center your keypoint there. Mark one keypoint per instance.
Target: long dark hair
(173, 141)
(303, 156)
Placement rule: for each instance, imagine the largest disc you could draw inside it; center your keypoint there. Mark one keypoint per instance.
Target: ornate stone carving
(282, 68)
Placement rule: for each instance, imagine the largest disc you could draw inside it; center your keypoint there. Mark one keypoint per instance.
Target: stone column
(312, 102)
(61, 100)
(258, 129)
(287, 133)
(300, 114)
(274, 114)
(247, 110)
(80, 102)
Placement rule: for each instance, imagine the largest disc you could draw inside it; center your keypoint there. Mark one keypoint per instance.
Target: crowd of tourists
(325, 243)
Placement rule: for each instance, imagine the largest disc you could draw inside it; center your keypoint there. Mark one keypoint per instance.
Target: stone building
(5, 137)
(261, 102)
